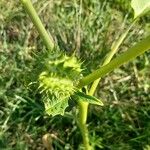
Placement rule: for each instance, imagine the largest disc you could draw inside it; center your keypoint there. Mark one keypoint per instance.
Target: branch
(130, 54)
(47, 39)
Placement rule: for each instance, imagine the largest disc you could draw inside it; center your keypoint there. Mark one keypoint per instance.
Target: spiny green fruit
(65, 66)
(56, 83)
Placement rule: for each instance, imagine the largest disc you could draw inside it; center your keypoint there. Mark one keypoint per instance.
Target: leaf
(140, 7)
(88, 98)
(56, 108)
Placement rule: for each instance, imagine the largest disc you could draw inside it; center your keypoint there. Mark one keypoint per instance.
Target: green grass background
(89, 29)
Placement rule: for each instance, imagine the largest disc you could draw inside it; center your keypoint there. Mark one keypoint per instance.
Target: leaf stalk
(47, 38)
(130, 54)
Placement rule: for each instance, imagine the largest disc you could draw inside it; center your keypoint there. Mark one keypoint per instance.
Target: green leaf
(57, 108)
(140, 7)
(88, 98)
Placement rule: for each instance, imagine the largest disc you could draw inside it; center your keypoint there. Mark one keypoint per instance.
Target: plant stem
(47, 39)
(130, 54)
(83, 111)
(114, 48)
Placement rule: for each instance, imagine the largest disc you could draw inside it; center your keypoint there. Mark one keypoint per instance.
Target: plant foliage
(140, 7)
(80, 96)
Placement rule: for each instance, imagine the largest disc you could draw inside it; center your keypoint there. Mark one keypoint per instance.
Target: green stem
(47, 39)
(83, 111)
(114, 48)
(130, 54)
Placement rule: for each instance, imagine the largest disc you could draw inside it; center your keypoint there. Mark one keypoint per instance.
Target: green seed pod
(56, 83)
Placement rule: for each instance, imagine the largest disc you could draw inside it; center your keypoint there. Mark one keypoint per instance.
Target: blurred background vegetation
(89, 29)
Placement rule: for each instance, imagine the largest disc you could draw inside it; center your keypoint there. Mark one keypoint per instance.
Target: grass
(123, 123)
